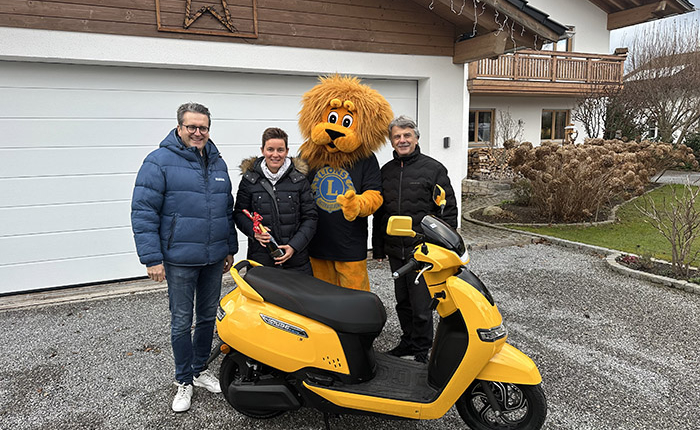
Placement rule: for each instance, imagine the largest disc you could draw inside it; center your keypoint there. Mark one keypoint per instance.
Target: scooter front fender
(512, 366)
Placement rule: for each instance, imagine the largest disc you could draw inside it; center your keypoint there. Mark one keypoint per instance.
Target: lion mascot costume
(343, 122)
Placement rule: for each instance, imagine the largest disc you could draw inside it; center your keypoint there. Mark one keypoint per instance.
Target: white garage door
(74, 137)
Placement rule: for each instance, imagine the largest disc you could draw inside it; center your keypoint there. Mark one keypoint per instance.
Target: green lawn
(631, 233)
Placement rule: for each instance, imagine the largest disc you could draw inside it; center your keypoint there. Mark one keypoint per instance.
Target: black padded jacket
(292, 223)
(407, 188)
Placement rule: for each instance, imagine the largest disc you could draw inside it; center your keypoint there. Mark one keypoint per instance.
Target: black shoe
(421, 357)
(400, 351)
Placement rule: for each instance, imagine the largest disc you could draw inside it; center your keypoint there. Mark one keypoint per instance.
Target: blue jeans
(192, 288)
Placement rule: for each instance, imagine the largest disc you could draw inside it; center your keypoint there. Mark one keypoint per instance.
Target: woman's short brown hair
(274, 133)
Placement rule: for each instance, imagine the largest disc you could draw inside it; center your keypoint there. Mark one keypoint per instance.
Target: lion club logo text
(328, 184)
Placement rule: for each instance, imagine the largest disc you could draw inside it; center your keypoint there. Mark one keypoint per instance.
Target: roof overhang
(623, 13)
(495, 27)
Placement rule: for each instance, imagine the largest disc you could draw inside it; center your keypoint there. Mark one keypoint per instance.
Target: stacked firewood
(485, 163)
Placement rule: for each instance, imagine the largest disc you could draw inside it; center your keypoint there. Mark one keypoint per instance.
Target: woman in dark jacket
(275, 186)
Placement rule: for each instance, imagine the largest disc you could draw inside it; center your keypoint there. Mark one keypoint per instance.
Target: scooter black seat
(342, 309)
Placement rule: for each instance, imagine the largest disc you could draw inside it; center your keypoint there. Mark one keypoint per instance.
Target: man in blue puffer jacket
(182, 218)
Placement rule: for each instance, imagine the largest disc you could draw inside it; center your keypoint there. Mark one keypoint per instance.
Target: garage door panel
(122, 78)
(69, 272)
(18, 192)
(64, 218)
(61, 246)
(71, 161)
(98, 104)
(71, 132)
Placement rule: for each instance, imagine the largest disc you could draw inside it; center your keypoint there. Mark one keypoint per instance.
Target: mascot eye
(347, 121)
(333, 117)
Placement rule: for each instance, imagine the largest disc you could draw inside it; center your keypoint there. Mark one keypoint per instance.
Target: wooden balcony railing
(546, 69)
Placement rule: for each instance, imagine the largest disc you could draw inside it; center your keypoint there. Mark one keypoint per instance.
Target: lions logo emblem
(328, 184)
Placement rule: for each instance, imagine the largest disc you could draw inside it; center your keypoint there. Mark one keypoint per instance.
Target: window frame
(473, 136)
(553, 125)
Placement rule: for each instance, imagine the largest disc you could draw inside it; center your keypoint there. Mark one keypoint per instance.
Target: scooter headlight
(492, 334)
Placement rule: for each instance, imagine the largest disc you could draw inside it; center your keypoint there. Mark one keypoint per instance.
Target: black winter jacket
(407, 188)
(294, 224)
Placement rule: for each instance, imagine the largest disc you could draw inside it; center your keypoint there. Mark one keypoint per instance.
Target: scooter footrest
(396, 379)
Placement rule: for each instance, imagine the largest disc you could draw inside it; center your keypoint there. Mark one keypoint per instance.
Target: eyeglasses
(193, 128)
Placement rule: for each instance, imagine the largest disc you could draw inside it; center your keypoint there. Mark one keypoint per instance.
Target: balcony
(545, 73)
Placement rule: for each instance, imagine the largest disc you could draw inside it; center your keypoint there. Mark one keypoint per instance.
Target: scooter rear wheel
(230, 372)
(523, 407)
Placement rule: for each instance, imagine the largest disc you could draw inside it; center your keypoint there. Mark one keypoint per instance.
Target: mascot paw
(350, 204)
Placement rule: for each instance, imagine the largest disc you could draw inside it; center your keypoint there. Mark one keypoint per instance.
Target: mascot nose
(334, 134)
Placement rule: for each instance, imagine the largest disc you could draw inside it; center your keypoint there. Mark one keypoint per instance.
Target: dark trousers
(192, 289)
(413, 309)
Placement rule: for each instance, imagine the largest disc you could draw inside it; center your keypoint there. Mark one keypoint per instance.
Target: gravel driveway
(614, 352)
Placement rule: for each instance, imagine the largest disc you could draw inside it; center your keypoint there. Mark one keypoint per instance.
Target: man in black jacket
(407, 183)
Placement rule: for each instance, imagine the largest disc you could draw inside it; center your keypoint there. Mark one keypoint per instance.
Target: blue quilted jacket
(182, 206)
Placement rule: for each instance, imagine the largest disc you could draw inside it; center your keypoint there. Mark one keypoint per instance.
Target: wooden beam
(504, 8)
(523, 19)
(486, 46)
(638, 15)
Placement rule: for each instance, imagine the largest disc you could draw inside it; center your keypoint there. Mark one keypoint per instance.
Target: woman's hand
(288, 252)
(263, 238)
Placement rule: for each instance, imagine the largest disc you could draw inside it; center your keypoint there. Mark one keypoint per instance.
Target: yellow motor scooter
(294, 341)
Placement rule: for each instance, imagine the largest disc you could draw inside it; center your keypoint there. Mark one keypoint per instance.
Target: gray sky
(623, 37)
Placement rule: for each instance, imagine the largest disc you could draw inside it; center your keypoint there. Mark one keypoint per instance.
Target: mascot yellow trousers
(347, 274)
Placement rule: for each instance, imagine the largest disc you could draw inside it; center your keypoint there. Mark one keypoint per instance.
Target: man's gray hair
(192, 107)
(404, 122)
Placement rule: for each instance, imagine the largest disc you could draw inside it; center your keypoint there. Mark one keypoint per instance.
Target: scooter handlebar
(407, 268)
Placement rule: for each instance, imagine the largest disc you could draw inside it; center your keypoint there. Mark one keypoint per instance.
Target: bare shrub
(678, 221)
(572, 183)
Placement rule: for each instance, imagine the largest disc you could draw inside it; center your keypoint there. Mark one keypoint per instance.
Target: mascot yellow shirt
(342, 240)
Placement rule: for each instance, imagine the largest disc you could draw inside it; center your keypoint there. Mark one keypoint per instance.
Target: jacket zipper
(207, 198)
(403, 252)
(173, 223)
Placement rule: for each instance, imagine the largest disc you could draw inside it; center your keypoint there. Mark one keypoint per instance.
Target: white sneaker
(183, 398)
(208, 381)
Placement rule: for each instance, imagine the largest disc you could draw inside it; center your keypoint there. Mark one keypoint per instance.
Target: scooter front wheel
(230, 372)
(522, 407)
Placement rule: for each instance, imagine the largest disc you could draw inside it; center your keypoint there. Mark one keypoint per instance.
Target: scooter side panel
(512, 366)
(361, 402)
(244, 330)
(476, 315)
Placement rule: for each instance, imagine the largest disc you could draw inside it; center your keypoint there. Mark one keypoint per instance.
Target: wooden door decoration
(247, 18)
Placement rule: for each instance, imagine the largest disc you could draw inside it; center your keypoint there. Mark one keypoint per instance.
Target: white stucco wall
(529, 109)
(592, 35)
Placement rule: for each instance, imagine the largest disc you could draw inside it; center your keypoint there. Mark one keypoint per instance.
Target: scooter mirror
(439, 196)
(400, 226)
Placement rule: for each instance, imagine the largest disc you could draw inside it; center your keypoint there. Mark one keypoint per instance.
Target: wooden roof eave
(492, 37)
(623, 13)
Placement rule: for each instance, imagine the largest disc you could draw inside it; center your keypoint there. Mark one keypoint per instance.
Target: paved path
(480, 237)
(677, 177)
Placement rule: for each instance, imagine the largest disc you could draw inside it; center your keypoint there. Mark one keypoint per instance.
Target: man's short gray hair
(192, 107)
(404, 122)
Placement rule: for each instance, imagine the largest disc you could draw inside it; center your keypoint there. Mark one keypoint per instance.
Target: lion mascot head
(342, 121)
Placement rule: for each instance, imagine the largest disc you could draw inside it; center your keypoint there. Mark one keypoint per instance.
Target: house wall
(384, 26)
(592, 35)
(529, 109)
